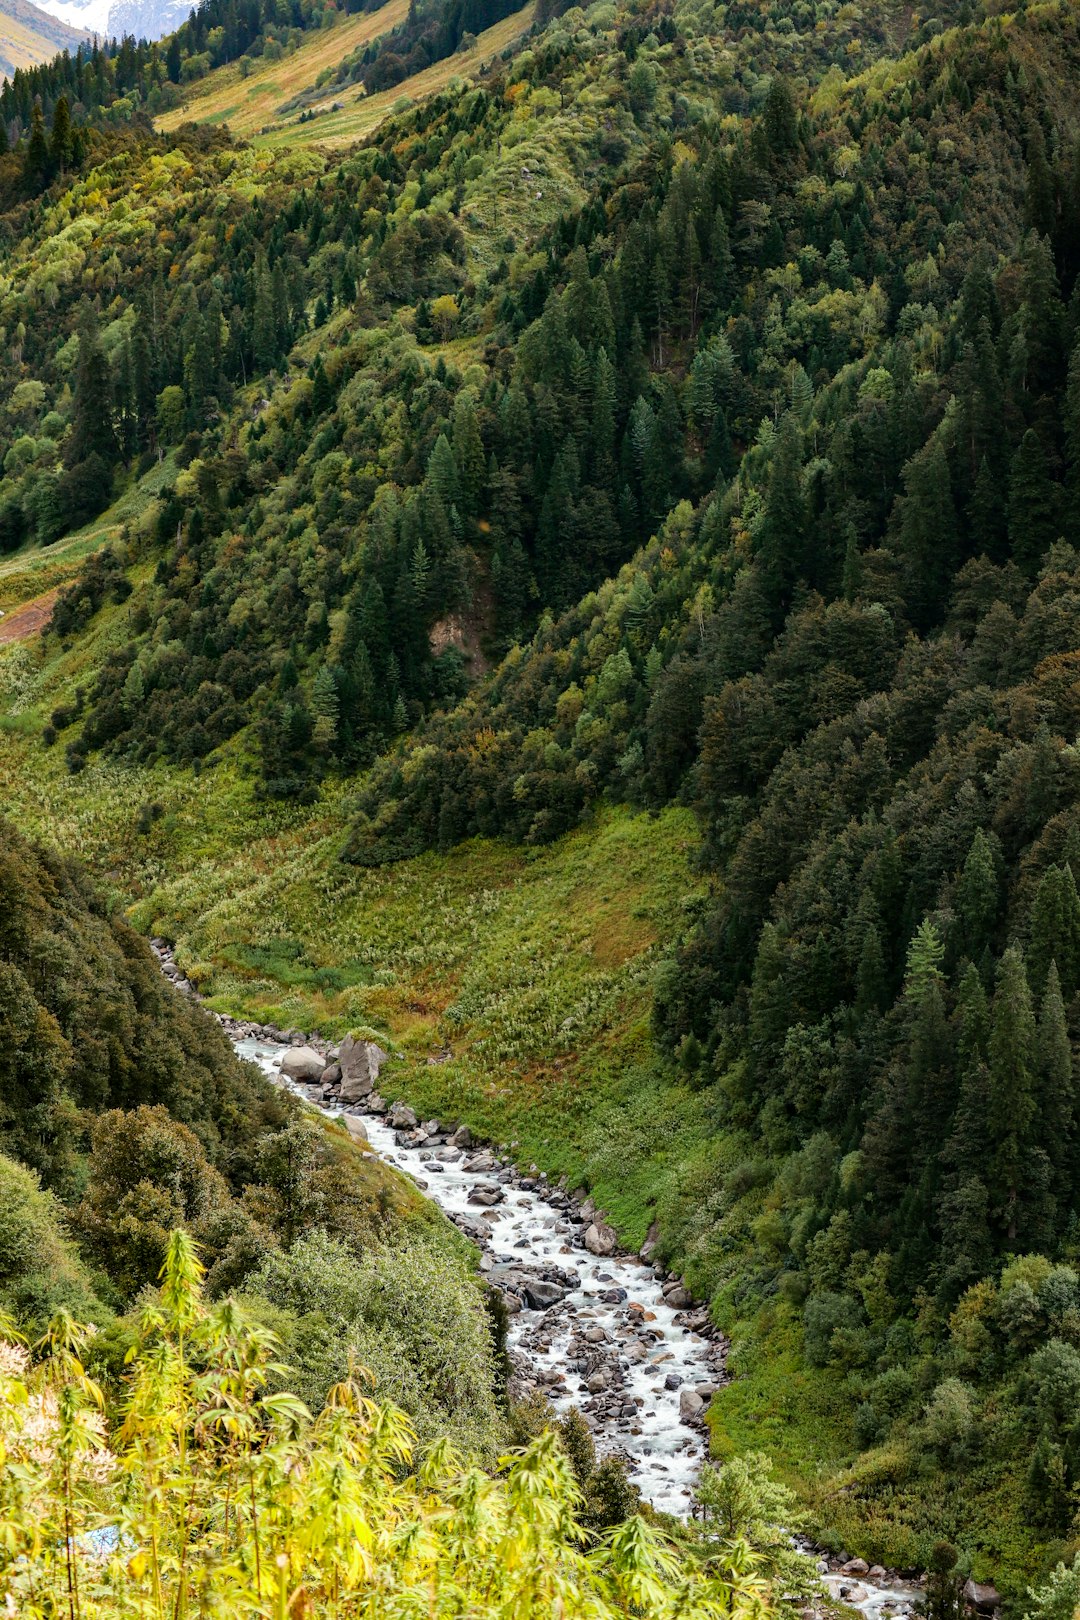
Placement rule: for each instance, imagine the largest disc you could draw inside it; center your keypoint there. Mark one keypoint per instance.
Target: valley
(545, 541)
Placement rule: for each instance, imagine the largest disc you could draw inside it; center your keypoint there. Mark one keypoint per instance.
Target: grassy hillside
(348, 117)
(248, 102)
(29, 36)
(254, 104)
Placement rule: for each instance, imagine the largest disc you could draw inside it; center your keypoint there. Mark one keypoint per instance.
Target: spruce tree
(92, 432)
(60, 142)
(928, 529)
(1034, 516)
(1012, 1104)
(978, 897)
(782, 536)
(1056, 1087)
(1054, 930)
(36, 163)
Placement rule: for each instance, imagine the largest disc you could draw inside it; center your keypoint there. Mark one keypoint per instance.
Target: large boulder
(302, 1063)
(355, 1126)
(540, 1296)
(600, 1239)
(983, 1597)
(401, 1117)
(691, 1406)
(487, 1196)
(359, 1062)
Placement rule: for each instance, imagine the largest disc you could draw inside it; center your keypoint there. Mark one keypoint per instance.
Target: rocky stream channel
(591, 1326)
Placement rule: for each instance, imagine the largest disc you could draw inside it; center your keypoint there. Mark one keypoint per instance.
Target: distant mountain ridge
(145, 19)
(30, 34)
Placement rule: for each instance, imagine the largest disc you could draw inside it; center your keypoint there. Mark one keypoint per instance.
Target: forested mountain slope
(684, 414)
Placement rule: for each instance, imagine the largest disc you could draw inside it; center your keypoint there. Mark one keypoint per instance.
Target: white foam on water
(664, 1456)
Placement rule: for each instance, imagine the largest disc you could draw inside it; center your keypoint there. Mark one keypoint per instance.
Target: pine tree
(92, 432)
(782, 537)
(1071, 414)
(1056, 1088)
(1054, 930)
(322, 395)
(264, 336)
(928, 534)
(779, 118)
(1034, 518)
(1012, 1101)
(978, 897)
(442, 473)
(36, 164)
(60, 143)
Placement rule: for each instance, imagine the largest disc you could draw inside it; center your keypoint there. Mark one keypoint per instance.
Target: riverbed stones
(401, 1117)
(302, 1063)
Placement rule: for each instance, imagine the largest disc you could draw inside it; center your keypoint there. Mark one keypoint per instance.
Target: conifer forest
(540, 838)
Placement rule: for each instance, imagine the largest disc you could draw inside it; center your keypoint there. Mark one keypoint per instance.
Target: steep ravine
(606, 1332)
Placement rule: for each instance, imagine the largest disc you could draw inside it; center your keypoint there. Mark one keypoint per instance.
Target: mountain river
(610, 1334)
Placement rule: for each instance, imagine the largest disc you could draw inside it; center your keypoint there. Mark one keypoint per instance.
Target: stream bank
(592, 1327)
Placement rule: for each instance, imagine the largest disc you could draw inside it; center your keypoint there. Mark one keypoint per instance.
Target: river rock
(982, 1596)
(355, 1126)
(540, 1296)
(855, 1566)
(691, 1406)
(600, 1239)
(331, 1077)
(401, 1117)
(486, 1196)
(303, 1063)
(359, 1062)
(462, 1137)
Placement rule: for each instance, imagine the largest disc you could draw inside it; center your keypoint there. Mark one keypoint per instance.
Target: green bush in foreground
(206, 1495)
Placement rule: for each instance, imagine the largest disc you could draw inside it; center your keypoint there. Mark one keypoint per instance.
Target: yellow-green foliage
(40, 1270)
(208, 1495)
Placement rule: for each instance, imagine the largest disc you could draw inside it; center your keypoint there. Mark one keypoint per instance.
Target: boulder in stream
(540, 1296)
(486, 1196)
(601, 1239)
(691, 1406)
(359, 1062)
(401, 1117)
(302, 1063)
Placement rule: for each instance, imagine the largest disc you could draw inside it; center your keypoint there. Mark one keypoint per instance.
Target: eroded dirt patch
(28, 619)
